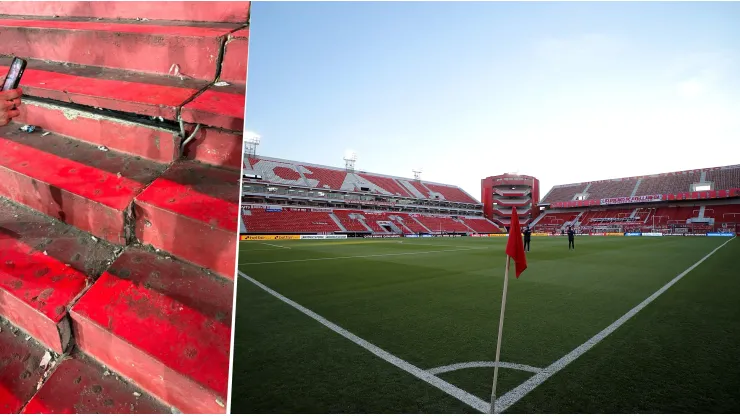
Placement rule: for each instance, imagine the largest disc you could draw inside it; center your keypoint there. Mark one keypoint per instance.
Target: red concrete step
(118, 90)
(192, 212)
(221, 107)
(72, 181)
(79, 384)
(236, 56)
(147, 47)
(135, 138)
(162, 323)
(215, 147)
(44, 266)
(20, 372)
(205, 11)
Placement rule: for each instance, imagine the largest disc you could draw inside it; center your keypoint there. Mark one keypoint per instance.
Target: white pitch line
(513, 396)
(483, 364)
(364, 256)
(275, 245)
(456, 392)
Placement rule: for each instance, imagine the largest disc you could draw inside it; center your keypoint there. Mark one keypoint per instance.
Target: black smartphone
(13, 79)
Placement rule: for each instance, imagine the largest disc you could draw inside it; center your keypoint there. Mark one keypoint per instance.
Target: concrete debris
(102, 148)
(106, 373)
(45, 253)
(222, 84)
(28, 338)
(46, 133)
(45, 360)
(94, 238)
(137, 394)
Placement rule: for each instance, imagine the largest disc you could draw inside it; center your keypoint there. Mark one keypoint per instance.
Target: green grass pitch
(436, 302)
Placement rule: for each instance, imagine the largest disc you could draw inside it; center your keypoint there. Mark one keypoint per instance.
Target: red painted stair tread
(192, 212)
(80, 385)
(19, 369)
(107, 88)
(218, 11)
(203, 193)
(148, 47)
(72, 181)
(171, 322)
(218, 108)
(157, 144)
(44, 266)
(177, 30)
(41, 284)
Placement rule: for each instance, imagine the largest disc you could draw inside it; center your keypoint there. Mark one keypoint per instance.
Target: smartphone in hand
(13, 79)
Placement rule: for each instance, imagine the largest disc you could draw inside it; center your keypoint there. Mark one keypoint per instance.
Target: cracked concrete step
(73, 181)
(112, 89)
(81, 385)
(152, 47)
(206, 11)
(218, 106)
(158, 144)
(162, 323)
(44, 266)
(139, 94)
(216, 147)
(192, 212)
(236, 56)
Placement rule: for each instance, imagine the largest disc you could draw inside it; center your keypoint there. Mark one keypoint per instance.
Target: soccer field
(409, 325)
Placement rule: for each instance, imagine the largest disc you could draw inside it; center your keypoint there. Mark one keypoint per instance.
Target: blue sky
(566, 92)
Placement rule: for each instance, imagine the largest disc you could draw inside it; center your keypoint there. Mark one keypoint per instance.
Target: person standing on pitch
(571, 239)
(527, 237)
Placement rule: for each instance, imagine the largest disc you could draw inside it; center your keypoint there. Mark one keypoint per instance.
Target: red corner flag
(515, 245)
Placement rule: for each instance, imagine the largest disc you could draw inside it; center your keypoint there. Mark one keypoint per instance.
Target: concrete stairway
(119, 212)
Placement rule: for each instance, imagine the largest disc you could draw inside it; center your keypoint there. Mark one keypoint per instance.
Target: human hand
(9, 102)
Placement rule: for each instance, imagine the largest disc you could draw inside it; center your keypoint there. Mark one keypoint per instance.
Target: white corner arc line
(483, 364)
(516, 394)
(363, 256)
(456, 392)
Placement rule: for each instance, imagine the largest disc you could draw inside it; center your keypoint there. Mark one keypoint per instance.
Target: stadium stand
(370, 203)
(290, 220)
(720, 179)
(286, 172)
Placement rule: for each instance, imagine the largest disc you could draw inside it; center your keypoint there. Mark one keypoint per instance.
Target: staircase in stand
(119, 211)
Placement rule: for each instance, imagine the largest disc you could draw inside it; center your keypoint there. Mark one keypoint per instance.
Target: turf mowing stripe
(364, 256)
(456, 392)
(275, 245)
(483, 364)
(516, 394)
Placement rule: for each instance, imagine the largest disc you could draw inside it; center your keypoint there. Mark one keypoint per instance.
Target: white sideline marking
(483, 364)
(516, 394)
(275, 245)
(435, 381)
(364, 256)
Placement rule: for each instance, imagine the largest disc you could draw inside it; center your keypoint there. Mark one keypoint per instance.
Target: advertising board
(323, 237)
(269, 237)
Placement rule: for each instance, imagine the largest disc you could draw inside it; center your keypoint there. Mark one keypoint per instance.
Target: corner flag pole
(500, 332)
